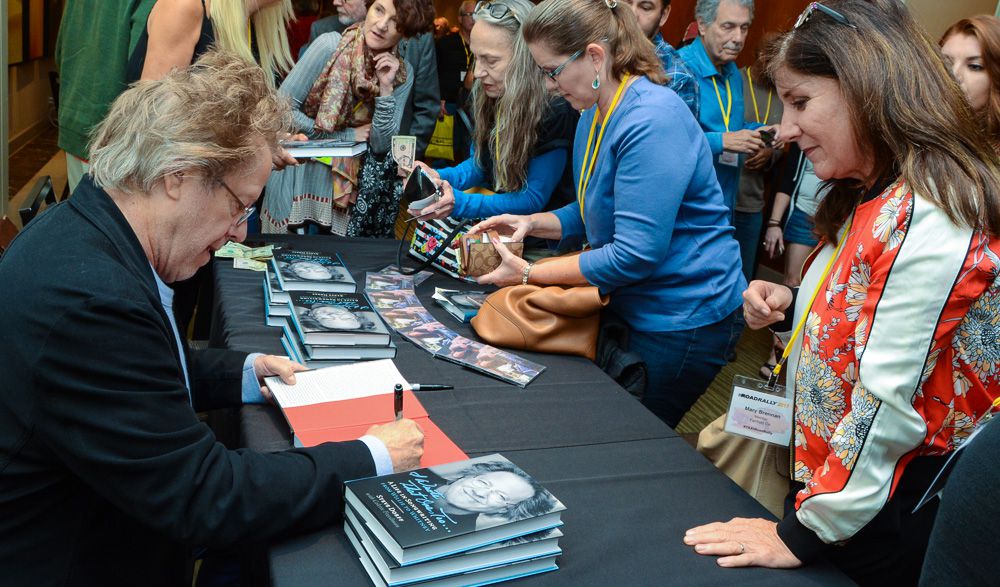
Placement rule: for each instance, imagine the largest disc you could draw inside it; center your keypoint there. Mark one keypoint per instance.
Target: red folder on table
(341, 403)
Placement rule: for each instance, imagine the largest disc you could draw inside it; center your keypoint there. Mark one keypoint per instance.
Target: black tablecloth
(630, 484)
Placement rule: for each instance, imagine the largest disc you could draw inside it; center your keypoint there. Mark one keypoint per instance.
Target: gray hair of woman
(540, 503)
(705, 11)
(909, 116)
(208, 119)
(523, 103)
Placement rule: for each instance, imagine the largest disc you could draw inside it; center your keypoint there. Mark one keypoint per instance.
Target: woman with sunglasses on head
(895, 362)
(648, 202)
(522, 137)
(971, 48)
(349, 87)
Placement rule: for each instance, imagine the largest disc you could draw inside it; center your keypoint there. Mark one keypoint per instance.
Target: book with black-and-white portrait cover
(311, 271)
(446, 509)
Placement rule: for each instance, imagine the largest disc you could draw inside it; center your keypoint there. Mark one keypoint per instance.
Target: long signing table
(631, 486)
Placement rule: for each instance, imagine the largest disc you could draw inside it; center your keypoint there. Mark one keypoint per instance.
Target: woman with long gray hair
(522, 137)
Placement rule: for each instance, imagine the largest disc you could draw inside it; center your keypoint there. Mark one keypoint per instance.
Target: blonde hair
(230, 23)
(566, 26)
(208, 119)
(523, 105)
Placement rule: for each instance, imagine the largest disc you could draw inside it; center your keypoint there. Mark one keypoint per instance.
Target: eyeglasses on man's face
(813, 7)
(245, 211)
(554, 73)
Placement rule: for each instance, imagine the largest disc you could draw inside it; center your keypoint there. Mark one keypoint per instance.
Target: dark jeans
(748, 225)
(681, 365)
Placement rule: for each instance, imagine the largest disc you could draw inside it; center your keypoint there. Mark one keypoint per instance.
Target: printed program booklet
(443, 510)
(463, 305)
(311, 271)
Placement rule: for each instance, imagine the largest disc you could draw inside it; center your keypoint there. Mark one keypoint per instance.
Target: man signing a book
(107, 476)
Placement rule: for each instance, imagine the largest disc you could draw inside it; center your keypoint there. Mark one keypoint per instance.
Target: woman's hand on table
(271, 365)
(764, 303)
(743, 542)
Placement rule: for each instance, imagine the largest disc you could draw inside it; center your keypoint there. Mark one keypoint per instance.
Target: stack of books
(312, 298)
(470, 522)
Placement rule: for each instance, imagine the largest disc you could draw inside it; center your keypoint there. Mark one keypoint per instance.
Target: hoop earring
(597, 82)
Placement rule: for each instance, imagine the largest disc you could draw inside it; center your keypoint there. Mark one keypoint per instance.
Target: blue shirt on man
(662, 243)
(716, 90)
(679, 76)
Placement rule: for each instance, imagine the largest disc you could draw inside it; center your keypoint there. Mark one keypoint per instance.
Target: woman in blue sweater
(517, 124)
(648, 202)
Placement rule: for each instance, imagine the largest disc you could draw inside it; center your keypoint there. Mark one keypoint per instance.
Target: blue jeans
(681, 366)
(748, 225)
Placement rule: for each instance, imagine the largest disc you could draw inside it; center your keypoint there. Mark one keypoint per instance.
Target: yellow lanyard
(805, 315)
(726, 110)
(753, 96)
(585, 169)
(468, 56)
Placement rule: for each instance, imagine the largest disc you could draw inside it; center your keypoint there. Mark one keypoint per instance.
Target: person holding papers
(107, 476)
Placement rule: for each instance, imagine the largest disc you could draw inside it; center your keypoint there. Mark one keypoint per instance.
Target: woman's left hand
(441, 208)
(743, 542)
(509, 272)
(386, 66)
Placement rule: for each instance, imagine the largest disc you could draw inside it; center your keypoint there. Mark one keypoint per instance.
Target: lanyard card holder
(760, 410)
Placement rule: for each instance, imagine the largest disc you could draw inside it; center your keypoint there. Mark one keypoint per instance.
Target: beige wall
(938, 15)
(28, 99)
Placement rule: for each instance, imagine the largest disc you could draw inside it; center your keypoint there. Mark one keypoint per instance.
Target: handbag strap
(434, 256)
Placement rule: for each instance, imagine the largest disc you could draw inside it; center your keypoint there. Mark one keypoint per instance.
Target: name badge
(461, 76)
(729, 159)
(760, 412)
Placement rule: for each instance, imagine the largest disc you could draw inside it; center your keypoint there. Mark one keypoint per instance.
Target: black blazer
(106, 474)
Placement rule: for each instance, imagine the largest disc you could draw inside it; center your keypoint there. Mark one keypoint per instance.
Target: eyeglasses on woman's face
(554, 73)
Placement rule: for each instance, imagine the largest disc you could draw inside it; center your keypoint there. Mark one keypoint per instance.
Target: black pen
(398, 392)
(430, 387)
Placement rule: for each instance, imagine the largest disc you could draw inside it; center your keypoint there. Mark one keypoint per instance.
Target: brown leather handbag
(552, 319)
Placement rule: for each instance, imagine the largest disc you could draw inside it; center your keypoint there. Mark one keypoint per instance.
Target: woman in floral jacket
(898, 361)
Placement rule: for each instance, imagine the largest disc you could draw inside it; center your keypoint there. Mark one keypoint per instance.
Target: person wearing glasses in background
(895, 362)
(522, 136)
(647, 202)
(109, 477)
(971, 48)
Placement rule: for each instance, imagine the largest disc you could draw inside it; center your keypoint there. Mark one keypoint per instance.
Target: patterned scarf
(343, 96)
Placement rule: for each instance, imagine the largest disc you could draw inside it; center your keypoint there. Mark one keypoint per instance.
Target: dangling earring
(597, 82)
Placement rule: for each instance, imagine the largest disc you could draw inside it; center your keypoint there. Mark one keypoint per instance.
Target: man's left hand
(759, 160)
(270, 365)
(743, 542)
